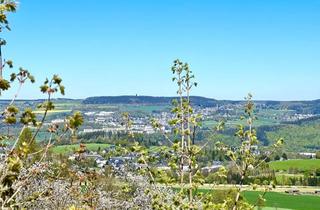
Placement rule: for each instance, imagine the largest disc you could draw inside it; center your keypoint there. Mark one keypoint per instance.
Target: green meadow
(300, 164)
(281, 201)
(276, 200)
(64, 149)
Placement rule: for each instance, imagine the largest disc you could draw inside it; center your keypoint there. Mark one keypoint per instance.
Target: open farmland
(55, 111)
(276, 200)
(300, 164)
(280, 200)
(64, 149)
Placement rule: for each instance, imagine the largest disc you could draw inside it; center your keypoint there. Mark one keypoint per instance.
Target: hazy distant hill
(196, 100)
(299, 106)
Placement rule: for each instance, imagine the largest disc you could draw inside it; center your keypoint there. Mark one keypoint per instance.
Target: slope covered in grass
(300, 164)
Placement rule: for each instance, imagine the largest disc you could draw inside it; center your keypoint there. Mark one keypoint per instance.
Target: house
(101, 162)
(216, 165)
(308, 154)
(210, 169)
(255, 150)
(116, 162)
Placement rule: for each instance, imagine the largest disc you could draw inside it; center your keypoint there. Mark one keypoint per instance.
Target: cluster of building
(103, 160)
(295, 117)
(111, 121)
(103, 121)
(130, 160)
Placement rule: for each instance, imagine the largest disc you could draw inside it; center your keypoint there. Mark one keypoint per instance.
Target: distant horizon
(223, 99)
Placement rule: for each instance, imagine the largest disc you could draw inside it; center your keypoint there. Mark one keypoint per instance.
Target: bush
(257, 181)
(284, 156)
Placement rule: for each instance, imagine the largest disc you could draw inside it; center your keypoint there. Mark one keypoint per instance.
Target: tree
(284, 156)
(16, 171)
(183, 154)
(243, 158)
(277, 157)
(318, 154)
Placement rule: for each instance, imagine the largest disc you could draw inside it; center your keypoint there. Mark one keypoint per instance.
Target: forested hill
(196, 100)
(303, 107)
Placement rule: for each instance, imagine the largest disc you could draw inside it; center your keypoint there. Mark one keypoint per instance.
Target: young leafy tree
(184, 121)
(244, 158)
(183, 154)
(16, 172)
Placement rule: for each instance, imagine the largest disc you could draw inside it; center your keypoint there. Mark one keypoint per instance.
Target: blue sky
(121, 47)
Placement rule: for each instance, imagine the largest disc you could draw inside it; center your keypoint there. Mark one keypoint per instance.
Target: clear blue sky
(120, 47)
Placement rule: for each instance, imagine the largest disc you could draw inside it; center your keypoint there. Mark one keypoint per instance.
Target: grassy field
(303, 165)
(63, 149)
(270, 208)
(281, 200)
(52, 111)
